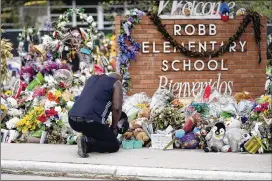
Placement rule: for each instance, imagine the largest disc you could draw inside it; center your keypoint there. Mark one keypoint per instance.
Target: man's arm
(117, 101)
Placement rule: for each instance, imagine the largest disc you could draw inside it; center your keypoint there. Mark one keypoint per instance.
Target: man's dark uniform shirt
(95, 101)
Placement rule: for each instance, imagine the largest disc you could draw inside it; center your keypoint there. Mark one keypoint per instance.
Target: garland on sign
(128, 53)
(250, 16)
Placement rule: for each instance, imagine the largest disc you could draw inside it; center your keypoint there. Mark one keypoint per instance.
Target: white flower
(81, 17)
(82, 78)
(12, 123)
(85, 16)
(127, 12)
(30, 30)
(47, 123)
(14, 112)
(61, 17)
(70, 104)
(62, 24)
(93, 24)
(49, 104)
(90, 45)
(58, 109)
(12, 102)
(64, 117)
(89, 19)
(50, 80)
(66, 48)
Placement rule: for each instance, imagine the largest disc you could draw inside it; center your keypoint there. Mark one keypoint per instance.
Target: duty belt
(80, 119)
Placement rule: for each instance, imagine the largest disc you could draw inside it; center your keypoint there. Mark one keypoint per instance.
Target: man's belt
(80, 119)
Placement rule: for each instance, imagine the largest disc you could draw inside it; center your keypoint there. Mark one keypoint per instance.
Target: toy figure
(215, 138)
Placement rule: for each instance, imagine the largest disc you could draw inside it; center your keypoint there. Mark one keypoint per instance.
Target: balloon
(180, 133)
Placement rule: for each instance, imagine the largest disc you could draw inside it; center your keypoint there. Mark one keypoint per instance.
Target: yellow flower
(58, 94)
(142, 106)
(24, 130)
(8, 93)
(3, 107)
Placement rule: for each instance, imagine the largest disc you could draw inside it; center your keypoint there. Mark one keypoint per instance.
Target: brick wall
(243, 67)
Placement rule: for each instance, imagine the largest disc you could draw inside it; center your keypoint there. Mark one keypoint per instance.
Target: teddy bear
(144, 113)
(233, 135)
(139, 134)
(128, 135)
(242, 96)
(215, 138)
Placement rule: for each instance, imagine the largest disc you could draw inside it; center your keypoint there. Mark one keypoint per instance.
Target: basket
(160, 141)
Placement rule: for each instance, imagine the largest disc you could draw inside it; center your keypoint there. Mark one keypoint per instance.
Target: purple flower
(48, 25)
(130, 19)
(244, 119)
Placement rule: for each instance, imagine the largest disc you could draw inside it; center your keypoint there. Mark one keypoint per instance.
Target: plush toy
(135, 124)
(233, 135)
(144, 113)
(128, 135)
(241, 12)
(215, 138)
(224, 11)
(189, 141)
(192, 122)
(242, 96)
(139, 134)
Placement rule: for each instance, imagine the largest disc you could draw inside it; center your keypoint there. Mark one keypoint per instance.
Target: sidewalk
(186, 164)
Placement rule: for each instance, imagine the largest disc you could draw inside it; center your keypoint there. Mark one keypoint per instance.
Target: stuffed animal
(224, 11)
(128, 135)
(192, 122)
(139, 134)
(233, 135)
(242, 96)
(135, 124)
(144, 113)
(215, 138)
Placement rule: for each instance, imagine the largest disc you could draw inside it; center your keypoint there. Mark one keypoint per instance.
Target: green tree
(261, 6)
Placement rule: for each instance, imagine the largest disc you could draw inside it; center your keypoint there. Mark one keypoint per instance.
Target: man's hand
(114, 130)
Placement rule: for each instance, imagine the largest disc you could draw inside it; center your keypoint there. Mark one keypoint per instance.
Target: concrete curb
(128, 171)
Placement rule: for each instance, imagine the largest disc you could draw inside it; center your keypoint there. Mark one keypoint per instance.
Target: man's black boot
(82, 146)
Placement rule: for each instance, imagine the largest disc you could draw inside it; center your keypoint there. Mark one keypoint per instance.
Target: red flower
(62, 85)
(51, 112)
(42, 118)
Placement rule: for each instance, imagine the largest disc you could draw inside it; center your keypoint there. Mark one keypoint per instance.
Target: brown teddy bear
(128, 135)
(139, 134)
(242, 96)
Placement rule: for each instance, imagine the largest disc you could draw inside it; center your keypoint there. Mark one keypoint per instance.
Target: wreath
(63, 19)
(126, 54)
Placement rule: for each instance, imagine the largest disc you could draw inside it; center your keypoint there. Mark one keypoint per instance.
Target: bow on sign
(207, 94)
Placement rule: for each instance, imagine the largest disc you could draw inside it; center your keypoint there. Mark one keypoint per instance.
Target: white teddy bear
(233, 135)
